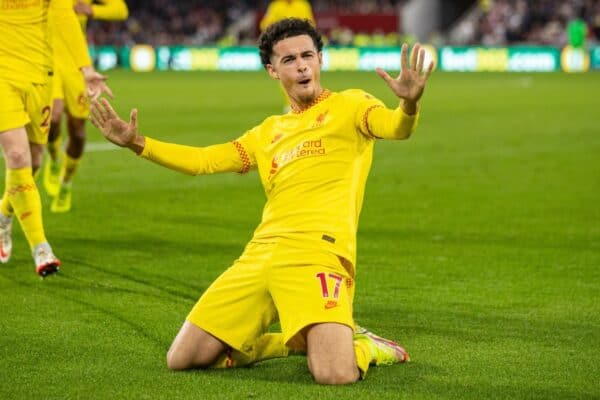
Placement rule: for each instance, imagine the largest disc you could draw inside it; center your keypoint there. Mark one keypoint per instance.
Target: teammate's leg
(52, 166)
(77, 110)
(37, 152)
(72, 157)
(54, 138)
(22, 193)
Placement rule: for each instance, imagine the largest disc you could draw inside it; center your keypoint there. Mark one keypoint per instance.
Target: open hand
(104, 117)
(95, 83)
(410, 83)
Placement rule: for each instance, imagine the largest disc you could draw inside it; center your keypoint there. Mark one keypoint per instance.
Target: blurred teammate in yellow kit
(281, 9)
(299, 267)
(69, 95)
(25, 107)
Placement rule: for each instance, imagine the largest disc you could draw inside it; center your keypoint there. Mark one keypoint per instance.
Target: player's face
(297, 63)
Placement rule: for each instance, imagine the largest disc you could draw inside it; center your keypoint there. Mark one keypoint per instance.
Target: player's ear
(272, 72)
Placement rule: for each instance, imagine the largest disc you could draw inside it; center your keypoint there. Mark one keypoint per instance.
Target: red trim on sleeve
(366, 120)
(243, 156)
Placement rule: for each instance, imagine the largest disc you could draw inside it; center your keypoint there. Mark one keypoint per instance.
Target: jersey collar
(324, 94)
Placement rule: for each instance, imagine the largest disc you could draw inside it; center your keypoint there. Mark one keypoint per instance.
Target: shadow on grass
(152, 248)
(158, 286)
(57, 292)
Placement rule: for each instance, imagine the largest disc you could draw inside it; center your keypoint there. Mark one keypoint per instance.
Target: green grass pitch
(479, 248)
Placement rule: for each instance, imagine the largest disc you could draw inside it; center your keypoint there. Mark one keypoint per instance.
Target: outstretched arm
(107, 10)
(189, 160)
(410, 83)
(377, 121)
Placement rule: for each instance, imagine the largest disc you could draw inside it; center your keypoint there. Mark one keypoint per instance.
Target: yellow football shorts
(271, 282)
(69, 86)
(26, 104)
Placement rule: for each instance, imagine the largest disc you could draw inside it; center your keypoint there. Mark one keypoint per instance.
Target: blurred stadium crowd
(235, 22)
(544, 22)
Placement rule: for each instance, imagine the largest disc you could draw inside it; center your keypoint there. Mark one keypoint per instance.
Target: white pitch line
(100, 146)
(93, 147)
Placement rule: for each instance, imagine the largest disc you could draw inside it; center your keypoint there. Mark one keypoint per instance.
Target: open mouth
(304, 81)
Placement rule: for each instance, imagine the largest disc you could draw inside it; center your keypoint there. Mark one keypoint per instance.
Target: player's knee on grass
(180, 358)
(193, 348)
(336, 374)
(330, 354)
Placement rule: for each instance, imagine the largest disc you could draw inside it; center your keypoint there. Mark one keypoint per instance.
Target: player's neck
(299, 105)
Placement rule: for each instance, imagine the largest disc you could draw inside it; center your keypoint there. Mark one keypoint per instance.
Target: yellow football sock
(23, 195)
(54, 148)
(70, 167)
(363, 356)
(267, 346)
(5, 207)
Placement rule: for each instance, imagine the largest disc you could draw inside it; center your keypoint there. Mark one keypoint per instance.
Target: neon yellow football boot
(52, 176)
(383, 351)
(61, 203)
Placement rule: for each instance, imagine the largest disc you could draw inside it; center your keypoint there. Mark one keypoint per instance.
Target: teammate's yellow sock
(23, 195)
(267, 346)
(70, 167)
(363, 356)
(5, 207)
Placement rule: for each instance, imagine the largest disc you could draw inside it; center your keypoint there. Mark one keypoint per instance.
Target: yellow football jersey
(110, 10)
(280, 9)
(25, 48)
(105, 10)
(313, 165)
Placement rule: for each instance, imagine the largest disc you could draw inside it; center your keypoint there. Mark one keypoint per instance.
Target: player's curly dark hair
(284, 29)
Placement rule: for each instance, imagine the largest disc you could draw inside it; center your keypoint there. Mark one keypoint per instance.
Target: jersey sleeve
(67, 29)
(235, 156)
(246, 147)
(110, 10)
(374, 120)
